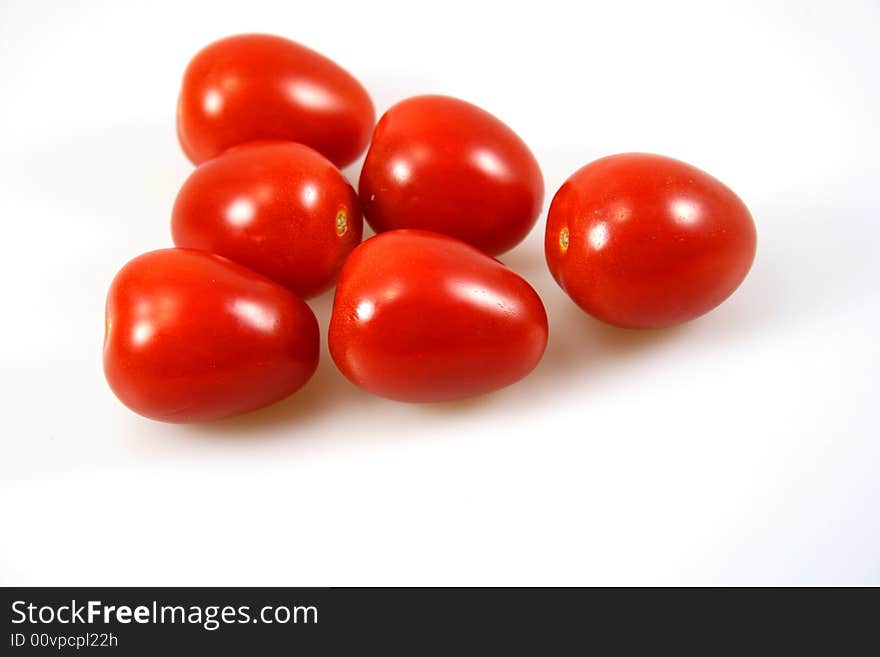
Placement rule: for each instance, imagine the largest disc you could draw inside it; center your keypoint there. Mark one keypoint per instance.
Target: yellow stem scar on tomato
(341, 223)
(563, 240)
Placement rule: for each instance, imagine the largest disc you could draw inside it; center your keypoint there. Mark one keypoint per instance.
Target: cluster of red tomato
(422, 312)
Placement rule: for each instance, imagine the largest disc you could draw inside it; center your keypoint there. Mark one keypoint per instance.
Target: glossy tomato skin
(646, 241)
(423, 317)
(279, 208)
(251, 87)
(191, 336)
(441, 164)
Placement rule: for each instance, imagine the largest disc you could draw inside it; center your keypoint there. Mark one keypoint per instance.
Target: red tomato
(256, 86)
(192, 336)
(442, 164)
(279, 208)
(422, 317)
(645, 241)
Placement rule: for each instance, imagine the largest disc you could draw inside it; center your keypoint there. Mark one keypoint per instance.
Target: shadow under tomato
(580, 350)
(325, 392)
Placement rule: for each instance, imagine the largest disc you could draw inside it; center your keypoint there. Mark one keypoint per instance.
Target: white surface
(741, 448)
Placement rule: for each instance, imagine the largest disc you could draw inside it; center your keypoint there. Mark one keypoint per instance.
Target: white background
(742, 448)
